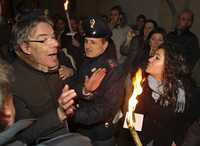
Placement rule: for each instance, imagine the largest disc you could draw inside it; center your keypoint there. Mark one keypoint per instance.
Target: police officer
(98, 105)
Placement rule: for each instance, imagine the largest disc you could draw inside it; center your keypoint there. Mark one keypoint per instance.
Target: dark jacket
(159, 122)
(193, 135)
(35, 96)
(188, 43)
(100, 109)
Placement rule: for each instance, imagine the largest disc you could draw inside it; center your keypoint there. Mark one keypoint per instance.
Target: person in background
(71, 43)
(139, 26)
(187, 41)
(75, 27)
(105, 18)
(135, 48)
(60, 26)
(148, 27)
(66, 68)
(120, 29)
(155, 39)
(115, 16)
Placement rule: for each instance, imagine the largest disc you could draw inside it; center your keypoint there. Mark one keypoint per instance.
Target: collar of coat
(28, 60)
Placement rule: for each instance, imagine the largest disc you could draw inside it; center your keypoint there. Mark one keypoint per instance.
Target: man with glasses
(37, 83)
(37, 86)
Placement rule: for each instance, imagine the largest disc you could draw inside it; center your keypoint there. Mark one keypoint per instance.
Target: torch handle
(133, 132)
(69, 24)
(68, 20)
(135, 136)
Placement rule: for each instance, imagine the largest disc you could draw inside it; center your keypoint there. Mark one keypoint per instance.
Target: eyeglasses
(37, 41)
(46, 39)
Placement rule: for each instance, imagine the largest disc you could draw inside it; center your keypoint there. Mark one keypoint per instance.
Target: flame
(66, 5)
(136, 81)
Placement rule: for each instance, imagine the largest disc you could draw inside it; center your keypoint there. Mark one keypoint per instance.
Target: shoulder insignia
(93, 69)
(112, 64)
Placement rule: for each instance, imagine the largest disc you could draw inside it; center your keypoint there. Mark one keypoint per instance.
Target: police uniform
(95, 112)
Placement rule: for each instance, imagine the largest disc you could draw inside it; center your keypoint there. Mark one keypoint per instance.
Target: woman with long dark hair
(164, 101)
(155, 39)
(165, 96)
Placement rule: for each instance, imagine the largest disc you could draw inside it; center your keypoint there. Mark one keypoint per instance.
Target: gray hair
(6, 78)
(25, 25)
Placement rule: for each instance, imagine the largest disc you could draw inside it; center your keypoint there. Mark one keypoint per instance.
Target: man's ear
(25, 48)
(105, 45)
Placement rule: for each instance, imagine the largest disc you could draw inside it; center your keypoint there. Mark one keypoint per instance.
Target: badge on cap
(92, 23)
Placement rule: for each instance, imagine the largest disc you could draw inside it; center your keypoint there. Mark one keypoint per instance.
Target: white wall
(134, 7)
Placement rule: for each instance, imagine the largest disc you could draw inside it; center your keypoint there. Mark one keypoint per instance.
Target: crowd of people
(69, 83)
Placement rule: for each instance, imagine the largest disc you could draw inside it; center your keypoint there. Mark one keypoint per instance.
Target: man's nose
(54, 42)
(87, 45)
(150, 59)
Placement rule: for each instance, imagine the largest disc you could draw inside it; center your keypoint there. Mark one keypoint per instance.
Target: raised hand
(65, 72)
(92, 83)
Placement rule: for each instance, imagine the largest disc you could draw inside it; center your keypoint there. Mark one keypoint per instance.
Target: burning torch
(130, 117)
(67, 15)
(72, 33)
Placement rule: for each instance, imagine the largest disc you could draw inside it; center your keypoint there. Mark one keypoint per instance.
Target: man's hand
(75, 43)
(173, 144)
(65, 72)
(66, 102)
(130, 34)
(92, 83)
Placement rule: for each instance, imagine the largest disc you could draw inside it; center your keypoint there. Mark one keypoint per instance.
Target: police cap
(95, 27)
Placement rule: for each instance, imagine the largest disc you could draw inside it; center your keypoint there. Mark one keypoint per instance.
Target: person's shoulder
(18, 64)
(193, 35)
(20, 68)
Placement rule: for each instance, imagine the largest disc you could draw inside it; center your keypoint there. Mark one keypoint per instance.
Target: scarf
(157, 90)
